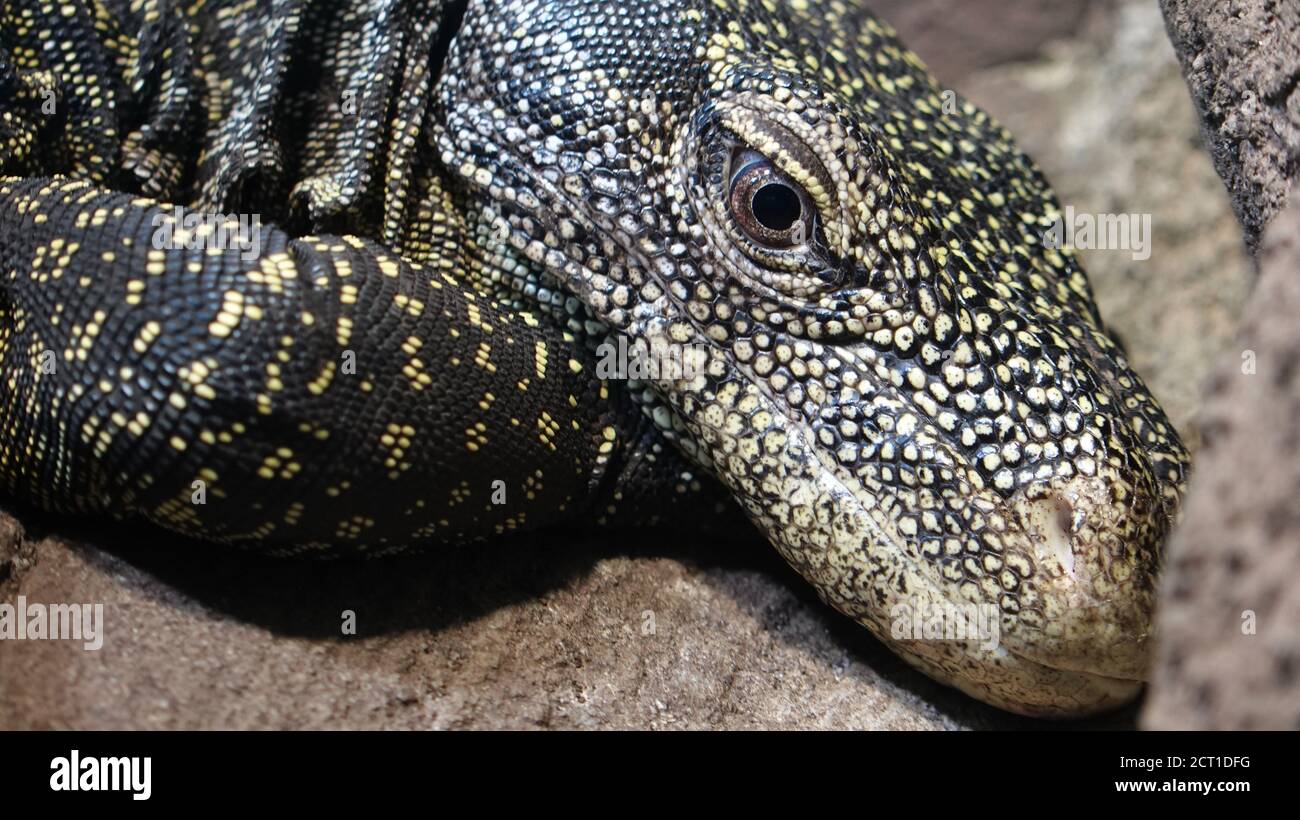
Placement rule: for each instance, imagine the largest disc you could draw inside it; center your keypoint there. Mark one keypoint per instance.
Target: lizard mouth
(1083, 674)
(1075, 646)
(1103, 691)
(1087, 693)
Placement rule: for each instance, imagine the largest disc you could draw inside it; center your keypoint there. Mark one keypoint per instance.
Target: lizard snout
(1091, 595)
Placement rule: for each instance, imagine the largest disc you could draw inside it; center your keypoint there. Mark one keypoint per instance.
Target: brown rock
(1241, 61)
(956, 37)
(534, 633)
(1229, 650)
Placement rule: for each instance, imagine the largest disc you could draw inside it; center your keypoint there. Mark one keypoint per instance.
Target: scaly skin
(901, 386)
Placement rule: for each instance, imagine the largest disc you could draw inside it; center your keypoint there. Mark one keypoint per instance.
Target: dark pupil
(776, 206)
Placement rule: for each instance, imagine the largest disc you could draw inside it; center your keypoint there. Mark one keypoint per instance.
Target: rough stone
(542, 632)
(1242, 64)
(1229, 650)
(961, 36)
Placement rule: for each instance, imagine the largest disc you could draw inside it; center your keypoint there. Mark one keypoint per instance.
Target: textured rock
(551, 631)
(1242, 63)
(1229, 651)
(960, 36)
(538, 632)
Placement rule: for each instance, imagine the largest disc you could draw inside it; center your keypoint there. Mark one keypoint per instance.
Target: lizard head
(908, 391)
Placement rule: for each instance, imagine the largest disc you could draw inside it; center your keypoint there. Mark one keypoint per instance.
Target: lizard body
(462, 206)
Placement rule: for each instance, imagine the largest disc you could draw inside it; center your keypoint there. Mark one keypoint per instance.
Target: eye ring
(771, 209)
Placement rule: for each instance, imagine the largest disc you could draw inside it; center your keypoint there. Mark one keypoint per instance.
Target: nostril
(1050, 523)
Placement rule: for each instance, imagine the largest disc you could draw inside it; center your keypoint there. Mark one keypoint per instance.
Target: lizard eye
(770, 208)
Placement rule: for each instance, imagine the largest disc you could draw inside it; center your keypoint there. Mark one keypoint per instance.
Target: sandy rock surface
(1229, 649)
